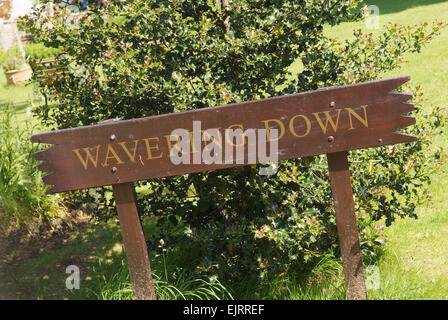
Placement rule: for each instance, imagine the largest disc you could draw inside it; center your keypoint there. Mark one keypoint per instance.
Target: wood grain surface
(324, 121)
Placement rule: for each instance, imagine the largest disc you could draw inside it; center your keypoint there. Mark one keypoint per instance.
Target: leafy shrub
(40, 51)
(23, 202)
(152, 57)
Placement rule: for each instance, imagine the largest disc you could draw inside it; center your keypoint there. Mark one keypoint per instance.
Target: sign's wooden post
(134, 242)
(327, 121)
(347, 227)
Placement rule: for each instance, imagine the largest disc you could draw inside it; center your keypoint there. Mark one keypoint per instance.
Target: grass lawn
(21, 97)
(415, 260)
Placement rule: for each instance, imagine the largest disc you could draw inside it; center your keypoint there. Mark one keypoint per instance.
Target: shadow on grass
(173, 272)
(389, 6)
(19, 107)
(35, 269)
(109, 280)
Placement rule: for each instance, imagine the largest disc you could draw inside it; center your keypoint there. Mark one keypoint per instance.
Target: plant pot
(18, 76)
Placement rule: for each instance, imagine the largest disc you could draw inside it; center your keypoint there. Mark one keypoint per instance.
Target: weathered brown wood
(134, 242)
(347, 226)
(364, 115)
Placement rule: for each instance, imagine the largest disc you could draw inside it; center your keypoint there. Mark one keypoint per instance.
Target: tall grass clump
(111, 281)
(23, 202)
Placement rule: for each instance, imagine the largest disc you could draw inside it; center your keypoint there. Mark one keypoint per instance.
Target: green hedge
(40, 51)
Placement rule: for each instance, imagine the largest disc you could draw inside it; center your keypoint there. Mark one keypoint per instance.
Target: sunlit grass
(22, 97)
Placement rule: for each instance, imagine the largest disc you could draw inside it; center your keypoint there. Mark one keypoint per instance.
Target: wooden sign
(326, 121)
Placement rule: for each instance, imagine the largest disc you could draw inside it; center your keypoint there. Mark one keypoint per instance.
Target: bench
(48, 72)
